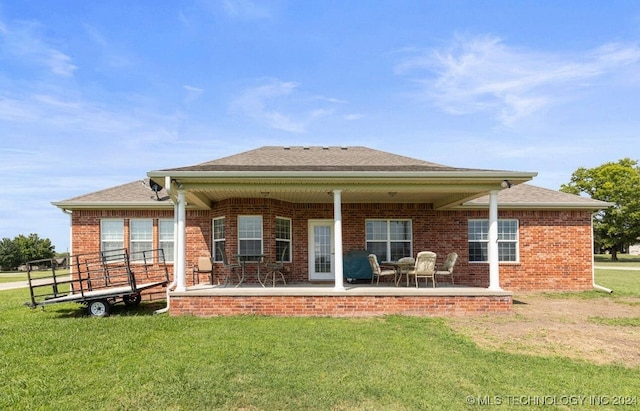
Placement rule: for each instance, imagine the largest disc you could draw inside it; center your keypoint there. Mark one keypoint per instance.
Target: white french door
(321, 252)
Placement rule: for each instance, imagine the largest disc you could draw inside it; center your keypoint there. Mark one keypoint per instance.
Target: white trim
(492, 246)
(337, 223)
(179, 267)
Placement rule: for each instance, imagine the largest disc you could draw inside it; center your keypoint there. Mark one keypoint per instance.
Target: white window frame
(388, 240)
(111, 234)
(244, 238)
(218, 242)
(281, 240)
(166, 238)
(506, 238)
(140, 237)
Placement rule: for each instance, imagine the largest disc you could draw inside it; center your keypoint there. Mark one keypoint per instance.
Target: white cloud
(483, 74)
(281, 105)
(245, 9)
(192, 93)
(353, 116)
(23, 41)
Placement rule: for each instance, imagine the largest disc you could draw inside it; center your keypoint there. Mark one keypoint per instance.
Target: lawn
(62, 359)
(13, 276)
(624, 260)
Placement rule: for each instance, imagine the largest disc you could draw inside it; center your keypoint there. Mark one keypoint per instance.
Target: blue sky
(94, 94)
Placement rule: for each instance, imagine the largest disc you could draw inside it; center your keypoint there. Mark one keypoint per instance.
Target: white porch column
(337, 233)
(179, 266)
(494, 266)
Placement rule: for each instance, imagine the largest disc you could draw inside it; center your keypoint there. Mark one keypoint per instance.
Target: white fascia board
(537, 206)
(108, 205)
(436, 175)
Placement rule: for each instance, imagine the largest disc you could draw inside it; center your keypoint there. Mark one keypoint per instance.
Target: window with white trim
(479, 240)
(218, 238)
(111, 234)
(390, 240)
(283, 238)
(250, 234)
(140, 237)
(166, 238)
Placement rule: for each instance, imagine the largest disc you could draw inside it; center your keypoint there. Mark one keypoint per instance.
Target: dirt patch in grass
(569, 327)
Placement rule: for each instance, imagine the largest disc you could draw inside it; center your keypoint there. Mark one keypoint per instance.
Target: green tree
(619, 184)
(34, 247)
(22, 248)
(10, 256)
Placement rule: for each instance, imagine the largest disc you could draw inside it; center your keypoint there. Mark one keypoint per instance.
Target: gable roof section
(526, 196)
(133, 195)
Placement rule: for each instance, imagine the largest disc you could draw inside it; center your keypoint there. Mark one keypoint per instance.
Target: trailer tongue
(98, 280)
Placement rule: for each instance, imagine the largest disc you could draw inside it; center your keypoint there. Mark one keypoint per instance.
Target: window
(283, 238)
(140, 237)
(390, 240)
(218, 238)
(165, 238)
(250, 235)
(111, 234)
(479, 240)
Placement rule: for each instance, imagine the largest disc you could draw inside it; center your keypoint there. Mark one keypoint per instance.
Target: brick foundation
(208, 305)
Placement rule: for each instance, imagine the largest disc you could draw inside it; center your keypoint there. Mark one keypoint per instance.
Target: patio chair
(277, 267)
(203, 266)
(447, 267)
(377, 271)
(425, 267)
(230, 268)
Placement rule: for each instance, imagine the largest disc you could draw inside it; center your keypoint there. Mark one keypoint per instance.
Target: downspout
(174, 282)
(593, 264)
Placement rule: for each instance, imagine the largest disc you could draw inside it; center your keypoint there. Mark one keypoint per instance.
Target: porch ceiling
(442, 193)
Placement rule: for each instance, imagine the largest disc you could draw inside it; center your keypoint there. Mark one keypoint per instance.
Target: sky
(95, 94)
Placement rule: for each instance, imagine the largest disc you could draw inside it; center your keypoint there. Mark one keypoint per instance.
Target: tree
(619, 184)
(34, 247)
(21, 249)
(10, 256)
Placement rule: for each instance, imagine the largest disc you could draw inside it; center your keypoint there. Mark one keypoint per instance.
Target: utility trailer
(98, 280)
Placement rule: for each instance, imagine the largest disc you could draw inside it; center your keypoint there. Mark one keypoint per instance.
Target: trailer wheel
(132, 299)
(99, 308)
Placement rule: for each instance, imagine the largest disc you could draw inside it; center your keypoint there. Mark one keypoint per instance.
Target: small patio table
(401, 269)
(244, 259)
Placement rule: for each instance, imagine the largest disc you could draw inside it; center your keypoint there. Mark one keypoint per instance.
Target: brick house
(314, 204)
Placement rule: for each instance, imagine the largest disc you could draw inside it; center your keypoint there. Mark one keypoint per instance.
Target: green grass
(13, 276)
(624, 322)
(624, 259)
(61, 359)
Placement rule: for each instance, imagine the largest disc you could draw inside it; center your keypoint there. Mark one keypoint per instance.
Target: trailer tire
(132, 299)
(99, 308)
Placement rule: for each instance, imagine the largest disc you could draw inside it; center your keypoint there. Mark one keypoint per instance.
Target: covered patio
(327, 195)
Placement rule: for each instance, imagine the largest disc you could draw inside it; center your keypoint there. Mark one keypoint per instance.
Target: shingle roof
(315, 158)
(530, 196)
(133, 194)
(137, 194)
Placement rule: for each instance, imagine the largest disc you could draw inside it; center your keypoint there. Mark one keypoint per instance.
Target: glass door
(321, 255)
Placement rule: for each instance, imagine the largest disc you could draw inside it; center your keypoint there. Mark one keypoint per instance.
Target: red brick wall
(343, 306)
(555, 246)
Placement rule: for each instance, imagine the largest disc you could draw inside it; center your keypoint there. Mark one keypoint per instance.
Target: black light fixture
(506, 184)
